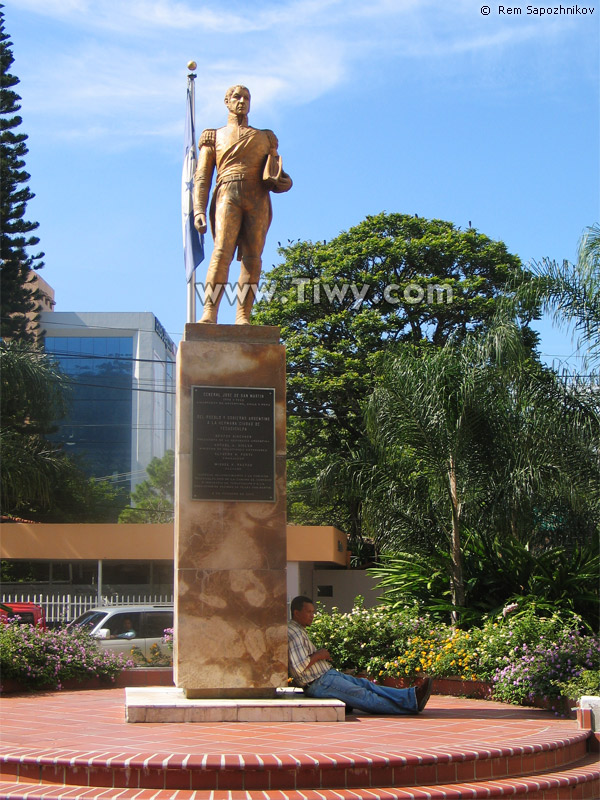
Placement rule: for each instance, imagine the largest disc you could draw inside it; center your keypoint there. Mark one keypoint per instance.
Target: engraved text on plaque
(233, 447)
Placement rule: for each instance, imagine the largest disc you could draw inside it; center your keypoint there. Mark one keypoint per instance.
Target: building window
(97, 429)
(324, 591)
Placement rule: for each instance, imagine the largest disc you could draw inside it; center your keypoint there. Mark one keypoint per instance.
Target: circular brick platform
(81, 739)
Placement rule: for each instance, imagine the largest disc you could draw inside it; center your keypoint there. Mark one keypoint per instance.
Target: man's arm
(203, 178)
(319, 655)
(276, 179)
(302, 653)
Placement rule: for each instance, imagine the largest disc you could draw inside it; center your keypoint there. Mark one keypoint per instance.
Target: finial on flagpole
(191, 65)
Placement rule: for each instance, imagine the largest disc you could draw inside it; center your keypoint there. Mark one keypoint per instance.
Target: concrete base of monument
(169, 704)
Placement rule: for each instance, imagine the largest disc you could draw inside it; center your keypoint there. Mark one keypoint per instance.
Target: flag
(193, 242)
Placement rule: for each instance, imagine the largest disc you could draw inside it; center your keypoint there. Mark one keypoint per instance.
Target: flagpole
(191, 295)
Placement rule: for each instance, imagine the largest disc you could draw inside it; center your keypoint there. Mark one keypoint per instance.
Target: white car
(119, 628)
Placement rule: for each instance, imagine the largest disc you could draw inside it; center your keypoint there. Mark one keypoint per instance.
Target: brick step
(578, 782)
(295, 771)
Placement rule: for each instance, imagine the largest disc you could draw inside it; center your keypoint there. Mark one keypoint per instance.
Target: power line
(113, 328)
(92, 356)
(117, 388)
(71, 424)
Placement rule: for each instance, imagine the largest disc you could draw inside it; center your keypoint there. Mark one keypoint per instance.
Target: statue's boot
(210, 311)
(215, 279)
(249, 277)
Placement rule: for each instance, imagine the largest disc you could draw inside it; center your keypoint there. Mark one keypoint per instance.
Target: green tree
(478, 436)
(17, 298)
(31, 398)
(154, 498)
(37, 480)
(77, 498)
(342, 305)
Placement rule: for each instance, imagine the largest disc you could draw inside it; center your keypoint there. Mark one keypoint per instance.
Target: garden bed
(453, 687)
(142, 676)
(482, 690)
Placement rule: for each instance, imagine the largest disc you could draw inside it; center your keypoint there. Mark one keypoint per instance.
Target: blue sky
(417, 106)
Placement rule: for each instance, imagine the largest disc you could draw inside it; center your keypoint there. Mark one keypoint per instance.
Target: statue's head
(237, 99)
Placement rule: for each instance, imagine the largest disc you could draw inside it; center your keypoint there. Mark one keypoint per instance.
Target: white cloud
(139, 17)
(118, 66)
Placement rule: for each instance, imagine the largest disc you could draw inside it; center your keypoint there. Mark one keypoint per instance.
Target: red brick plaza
(76, 744)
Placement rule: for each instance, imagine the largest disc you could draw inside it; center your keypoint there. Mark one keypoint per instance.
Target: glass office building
(122, 397)
(97, 431)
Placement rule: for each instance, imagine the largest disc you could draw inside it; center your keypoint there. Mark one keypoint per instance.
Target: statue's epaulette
(208, 138)
(272, 139)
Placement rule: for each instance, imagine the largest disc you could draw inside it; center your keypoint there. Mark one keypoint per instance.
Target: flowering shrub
(35, 657)
(168, 635)
(444, 652)
(364, 638)
(416, 659)
(502, 636)
(156, 657)
(586, 683)
(541, 670)
(457, 656)
(521, 654)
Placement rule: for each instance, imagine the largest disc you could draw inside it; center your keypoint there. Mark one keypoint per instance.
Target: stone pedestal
(158, 704)
(230, 545)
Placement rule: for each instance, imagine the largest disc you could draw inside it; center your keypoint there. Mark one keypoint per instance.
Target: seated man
(310, 668)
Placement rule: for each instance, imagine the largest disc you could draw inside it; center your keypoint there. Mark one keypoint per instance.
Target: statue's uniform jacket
(240, 209)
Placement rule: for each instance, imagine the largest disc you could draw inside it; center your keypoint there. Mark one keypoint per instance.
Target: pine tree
(17, 297)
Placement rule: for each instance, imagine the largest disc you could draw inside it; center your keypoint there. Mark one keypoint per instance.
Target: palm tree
(429, 425)
(476, 436)
(571, 292)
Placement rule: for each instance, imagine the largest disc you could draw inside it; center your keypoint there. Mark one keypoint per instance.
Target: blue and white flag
(193, 242)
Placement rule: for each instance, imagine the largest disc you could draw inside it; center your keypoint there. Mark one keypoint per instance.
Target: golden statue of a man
(248, 168)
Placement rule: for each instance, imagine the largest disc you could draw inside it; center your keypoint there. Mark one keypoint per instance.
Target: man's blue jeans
(363, 694)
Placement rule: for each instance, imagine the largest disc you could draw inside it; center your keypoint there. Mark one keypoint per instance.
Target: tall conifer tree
(17, 297)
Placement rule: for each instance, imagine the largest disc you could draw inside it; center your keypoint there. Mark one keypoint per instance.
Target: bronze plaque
(233, 444)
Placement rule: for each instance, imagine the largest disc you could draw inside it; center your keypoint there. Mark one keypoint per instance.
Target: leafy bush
(496, 573)
(156, 657)
(35, 657)
(542, 670)
(444, 652)
(586, 683)
(522, 653)
(503, 636)
(365, 636)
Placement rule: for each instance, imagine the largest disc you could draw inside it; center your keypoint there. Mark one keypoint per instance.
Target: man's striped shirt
(299, 652)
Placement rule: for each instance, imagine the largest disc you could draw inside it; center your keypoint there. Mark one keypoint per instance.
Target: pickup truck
(23, 613)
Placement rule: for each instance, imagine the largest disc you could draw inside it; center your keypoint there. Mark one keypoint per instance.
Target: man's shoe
(423, 692)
